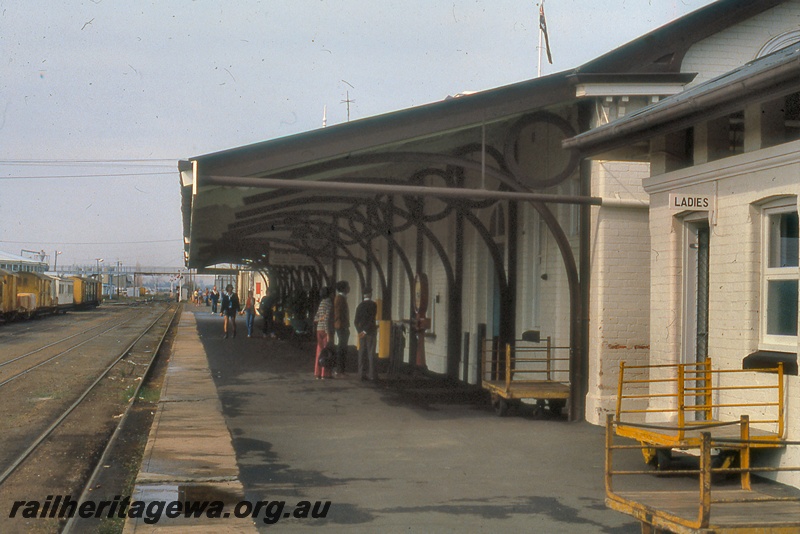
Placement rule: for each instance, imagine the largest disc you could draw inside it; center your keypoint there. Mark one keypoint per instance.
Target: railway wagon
(87, 291)
(34, 294)
(8, 295)
(62, 292)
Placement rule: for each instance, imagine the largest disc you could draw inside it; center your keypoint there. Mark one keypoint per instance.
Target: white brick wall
(620, 288)
(741, 183)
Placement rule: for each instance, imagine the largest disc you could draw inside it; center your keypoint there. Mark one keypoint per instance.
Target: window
(780, 274)
(792, 116)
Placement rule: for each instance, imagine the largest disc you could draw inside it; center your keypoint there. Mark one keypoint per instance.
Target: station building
(473, 218)
(13, 263)
(723, 188)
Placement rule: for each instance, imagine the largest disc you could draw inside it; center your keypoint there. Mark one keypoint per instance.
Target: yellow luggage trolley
(528, 369)
(699, 500)
(688, 399)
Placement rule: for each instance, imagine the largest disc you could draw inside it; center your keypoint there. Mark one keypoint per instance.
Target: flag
(543, 29)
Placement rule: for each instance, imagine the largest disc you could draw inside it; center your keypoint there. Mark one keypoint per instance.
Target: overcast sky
(101, 98)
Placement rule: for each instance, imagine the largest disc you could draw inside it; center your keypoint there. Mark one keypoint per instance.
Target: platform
(189, 454)
(243, 419)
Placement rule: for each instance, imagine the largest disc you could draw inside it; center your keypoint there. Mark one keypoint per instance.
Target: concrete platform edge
(189, 454)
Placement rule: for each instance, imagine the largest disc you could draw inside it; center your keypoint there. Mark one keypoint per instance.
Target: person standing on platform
(229, 309)
(265, 309)
(249, 312)
(367, 329)
(341, 324)
(323, 324)
(214, 299)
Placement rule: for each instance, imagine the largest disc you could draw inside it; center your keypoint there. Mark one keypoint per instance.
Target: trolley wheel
(663, 459)
(556, 406)
(500, 406)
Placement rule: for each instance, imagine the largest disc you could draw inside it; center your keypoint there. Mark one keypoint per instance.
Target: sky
(99, 99)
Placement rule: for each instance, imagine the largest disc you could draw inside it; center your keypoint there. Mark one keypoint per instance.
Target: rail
(90, 484)
(714, 504)
(692, 395)
(20, 459)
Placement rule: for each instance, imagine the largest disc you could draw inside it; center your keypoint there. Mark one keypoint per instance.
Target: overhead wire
(108, 175)
(59, 243)
(167, 161)
(122, 163)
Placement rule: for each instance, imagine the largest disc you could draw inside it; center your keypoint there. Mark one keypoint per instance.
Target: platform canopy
(234, 210)
(277, 198)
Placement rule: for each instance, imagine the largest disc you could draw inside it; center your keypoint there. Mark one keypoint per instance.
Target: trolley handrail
(505, 367)
(698, 389)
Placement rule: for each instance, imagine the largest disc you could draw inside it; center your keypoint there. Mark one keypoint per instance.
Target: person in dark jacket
(214, 299)
(229, 308)
(265, 310)
(364, 322)
(341, 324)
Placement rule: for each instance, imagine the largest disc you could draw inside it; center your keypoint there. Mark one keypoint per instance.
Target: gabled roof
(663, 49)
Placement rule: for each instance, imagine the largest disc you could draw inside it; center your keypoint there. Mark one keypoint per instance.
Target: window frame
(768, 274)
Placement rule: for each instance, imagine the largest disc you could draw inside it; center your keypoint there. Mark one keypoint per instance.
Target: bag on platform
(327, 358)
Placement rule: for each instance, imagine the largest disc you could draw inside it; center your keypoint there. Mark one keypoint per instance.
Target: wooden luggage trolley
(697, 500)
(694, 398)
(526, 369)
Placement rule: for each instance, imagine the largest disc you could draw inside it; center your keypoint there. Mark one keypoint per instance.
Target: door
(695, 301)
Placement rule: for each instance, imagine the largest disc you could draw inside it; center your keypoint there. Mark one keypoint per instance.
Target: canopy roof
(233, 212)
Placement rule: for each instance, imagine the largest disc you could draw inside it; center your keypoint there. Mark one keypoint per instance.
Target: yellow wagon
(526, 369)
(701, 499)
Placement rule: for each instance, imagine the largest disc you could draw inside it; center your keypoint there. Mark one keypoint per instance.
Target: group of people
(207, 297)
(230, 306)
(332, 322)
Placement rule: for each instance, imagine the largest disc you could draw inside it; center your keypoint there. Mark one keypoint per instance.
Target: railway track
(11, 331)
(49, 352)
(65, 400)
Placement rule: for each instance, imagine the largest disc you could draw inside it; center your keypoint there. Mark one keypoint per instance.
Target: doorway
(695, 298)
(697, 241)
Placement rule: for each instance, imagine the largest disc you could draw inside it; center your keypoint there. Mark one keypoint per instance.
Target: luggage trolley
(526, 369)
(710, 502)
(668, 407)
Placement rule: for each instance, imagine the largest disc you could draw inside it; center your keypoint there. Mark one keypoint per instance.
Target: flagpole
(539, 49)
